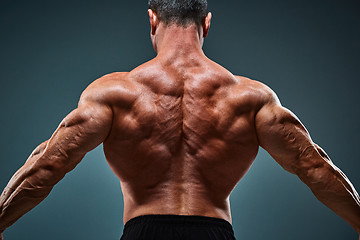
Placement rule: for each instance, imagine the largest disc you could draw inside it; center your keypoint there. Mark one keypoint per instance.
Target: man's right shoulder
(111, 78)
(110, 88)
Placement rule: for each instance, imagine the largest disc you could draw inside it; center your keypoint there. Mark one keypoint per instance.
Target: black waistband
(179, 219)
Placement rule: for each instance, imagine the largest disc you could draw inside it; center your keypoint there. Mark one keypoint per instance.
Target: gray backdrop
(307, 51)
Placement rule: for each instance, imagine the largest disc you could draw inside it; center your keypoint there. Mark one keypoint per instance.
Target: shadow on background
(307, 51)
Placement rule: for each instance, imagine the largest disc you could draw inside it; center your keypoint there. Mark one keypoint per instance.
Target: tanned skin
(179, 131)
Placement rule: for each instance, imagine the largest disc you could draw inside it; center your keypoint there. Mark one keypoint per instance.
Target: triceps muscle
(283, 136)
(80, 132)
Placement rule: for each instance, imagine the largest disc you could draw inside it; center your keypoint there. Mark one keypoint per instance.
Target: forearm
(22, 199)
(32, 183)
(281, 133)
(334, 189)
(20, 195)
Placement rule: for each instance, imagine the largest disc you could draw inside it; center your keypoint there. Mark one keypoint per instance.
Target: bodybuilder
(180, 132)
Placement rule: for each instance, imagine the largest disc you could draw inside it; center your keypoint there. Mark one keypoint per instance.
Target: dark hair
(181, 12)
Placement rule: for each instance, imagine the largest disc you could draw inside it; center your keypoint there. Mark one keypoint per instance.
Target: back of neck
(178, 41)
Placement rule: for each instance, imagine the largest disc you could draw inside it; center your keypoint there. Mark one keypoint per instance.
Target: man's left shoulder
(257, 91)
(251, 83)
(247, 85)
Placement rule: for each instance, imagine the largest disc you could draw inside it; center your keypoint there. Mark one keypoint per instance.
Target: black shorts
(174, 227)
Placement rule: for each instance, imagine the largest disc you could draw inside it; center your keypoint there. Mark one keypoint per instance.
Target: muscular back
(183, 135)
(179, 131)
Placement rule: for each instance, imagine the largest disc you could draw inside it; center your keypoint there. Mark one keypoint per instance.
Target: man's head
(180, 12)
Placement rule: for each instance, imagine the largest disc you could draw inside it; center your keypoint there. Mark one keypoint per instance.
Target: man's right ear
(154, 21)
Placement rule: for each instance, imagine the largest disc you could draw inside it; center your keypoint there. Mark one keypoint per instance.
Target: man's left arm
(80, 132)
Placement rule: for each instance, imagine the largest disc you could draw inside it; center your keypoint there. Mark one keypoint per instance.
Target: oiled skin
(179, 131)
(183, 138)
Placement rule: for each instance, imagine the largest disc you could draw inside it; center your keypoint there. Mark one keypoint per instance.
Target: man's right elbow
(46, 175)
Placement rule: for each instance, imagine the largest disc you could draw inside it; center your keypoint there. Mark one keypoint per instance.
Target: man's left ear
(206, 24)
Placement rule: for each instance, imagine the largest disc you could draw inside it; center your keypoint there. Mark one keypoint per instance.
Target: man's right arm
(284, 137)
